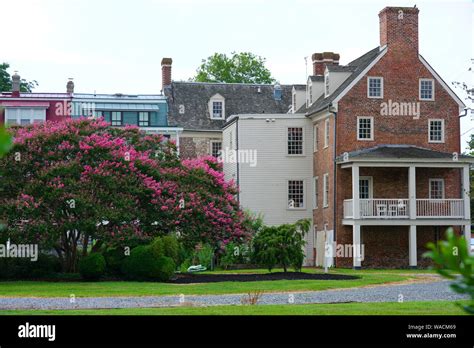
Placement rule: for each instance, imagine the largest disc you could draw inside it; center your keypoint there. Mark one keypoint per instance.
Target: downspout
(237, 151)
(334, 176)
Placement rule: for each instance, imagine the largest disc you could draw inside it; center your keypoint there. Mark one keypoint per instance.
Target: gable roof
(240, 98)
(357, 66)
(401, 152)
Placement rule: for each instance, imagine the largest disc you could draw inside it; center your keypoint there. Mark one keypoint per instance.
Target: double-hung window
(436, 188)
(375, 87)
(426, 89)
(295, 141)
(295, 194)
(327, 129)
(436, 131)
(316, 192)
(326, 190)
(365, 128)
(216, 148)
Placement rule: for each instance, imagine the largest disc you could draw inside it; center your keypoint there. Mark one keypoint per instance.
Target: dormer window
(326, 84)
(217, 107)
(310, 95)
(375, 87)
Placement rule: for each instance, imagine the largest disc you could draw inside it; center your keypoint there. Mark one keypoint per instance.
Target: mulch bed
(213, 278)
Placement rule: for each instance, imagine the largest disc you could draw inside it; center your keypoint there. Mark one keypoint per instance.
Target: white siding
(229, 142)
(264, 188)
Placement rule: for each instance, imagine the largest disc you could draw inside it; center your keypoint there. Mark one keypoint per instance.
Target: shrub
(92, 267)
(234, 254)
(166, 246)
(171, 247)
(454, 262)
(142, 264)
(167, 268)
(157, 247)
(281, 245)
(204, 256)
(21, 268)
(113, 260)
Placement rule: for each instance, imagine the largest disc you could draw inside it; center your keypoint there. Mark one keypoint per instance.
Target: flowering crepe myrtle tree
(66, 183)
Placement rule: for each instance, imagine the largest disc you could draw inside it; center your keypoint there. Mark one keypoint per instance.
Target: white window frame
(211, 143)
(432, 90)
(288, 194)
(315, 137)
(302, 143)
(442, 185)
(381, 87)
(371, 118)
(442, 131)
(326, 193)
(371, 185)
(326, 84)
(315, 192)
(216, 98)
(327, 130)
(14, 114)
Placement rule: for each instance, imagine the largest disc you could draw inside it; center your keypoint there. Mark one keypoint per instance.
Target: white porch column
(356, 247)
(412, 246)
(412, 191)
(177, 141)
(467, 205)
(355, 191)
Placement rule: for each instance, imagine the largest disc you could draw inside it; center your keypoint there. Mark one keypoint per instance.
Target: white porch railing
(348, 209)
(384, 208)
(398, 208)
(443, 208)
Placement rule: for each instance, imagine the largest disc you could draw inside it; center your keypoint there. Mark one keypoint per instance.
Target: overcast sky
(111, 46)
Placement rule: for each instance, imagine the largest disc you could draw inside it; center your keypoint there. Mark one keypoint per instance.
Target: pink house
(27, 108)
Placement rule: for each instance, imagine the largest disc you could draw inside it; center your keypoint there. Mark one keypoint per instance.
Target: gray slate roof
(314, 78)
(239, 99)
(300, 87)
(400, 152)
(357, 66)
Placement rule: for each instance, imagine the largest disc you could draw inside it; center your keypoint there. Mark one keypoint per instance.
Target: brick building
(386, 140)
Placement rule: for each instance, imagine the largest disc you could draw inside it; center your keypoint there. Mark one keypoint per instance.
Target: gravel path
(431, 291)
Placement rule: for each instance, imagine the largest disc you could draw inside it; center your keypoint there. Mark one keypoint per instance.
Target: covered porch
(404, 186)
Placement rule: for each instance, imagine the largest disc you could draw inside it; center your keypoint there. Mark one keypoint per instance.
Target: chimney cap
(396, 9)
(166, 61)
(325, 55)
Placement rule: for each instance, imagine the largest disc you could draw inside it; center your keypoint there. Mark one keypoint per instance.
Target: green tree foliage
(5, 141)
(471, 152)
(244, 67)
(6, 81)
(454, 262)
(281, 245)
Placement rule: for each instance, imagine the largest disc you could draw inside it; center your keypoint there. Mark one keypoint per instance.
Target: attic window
(217, 107)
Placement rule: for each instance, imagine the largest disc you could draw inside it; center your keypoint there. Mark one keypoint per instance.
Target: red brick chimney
(16, 81)
(320, 60)
(399, 28)
(166, 72)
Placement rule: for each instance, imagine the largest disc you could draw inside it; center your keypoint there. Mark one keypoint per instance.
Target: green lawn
(125, 288)
(388, 308)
